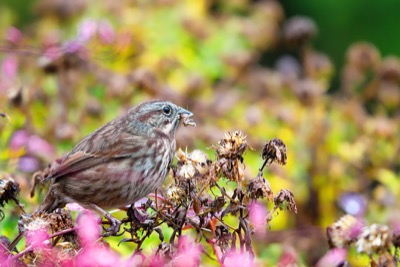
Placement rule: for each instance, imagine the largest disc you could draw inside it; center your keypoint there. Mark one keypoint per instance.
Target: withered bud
(298, 30)
(284, 200)
(185, 171)
(175, 195)
(343, 232)
(374, 239)
(259, 188)
(232, 146)
(217, 204)
(200, 161)
(60, 220)
(363, 56)
(396, 239)
(9, 190)
(223, 237)
(275, 151)
(390, 69)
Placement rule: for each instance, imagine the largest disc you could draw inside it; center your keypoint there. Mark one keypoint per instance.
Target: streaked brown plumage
(119, 163)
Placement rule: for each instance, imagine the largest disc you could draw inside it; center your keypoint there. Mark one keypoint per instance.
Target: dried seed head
(232, 146)
(396, 239)
(175, 195)
(259, 188)
(185, 171)
(343, 232)
(275, 151)
(284, 200)
(374, 239)
(33, 222)
(363, 56)
(200, 161)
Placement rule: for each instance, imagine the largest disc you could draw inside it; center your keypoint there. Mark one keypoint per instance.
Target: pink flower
(97, 255)
(188, 254)
(37, 238)
(13, 35)
(40, 147)
(257, 216)
(89, 230)
(106, 31)
(19, 139)
(87, 29)
(237, 259)
(334, 257)
(9, 68)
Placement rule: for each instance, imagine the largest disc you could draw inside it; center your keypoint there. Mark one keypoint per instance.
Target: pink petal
(257, 216)
(89, 229)
(106, 31)
(13, 35)
(334, 257)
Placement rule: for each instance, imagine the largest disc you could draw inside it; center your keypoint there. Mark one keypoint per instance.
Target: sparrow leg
(115, 224)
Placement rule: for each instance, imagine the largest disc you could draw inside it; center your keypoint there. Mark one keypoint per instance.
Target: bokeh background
(323, 76)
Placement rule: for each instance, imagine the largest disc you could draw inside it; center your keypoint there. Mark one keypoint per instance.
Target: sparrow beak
(187, 117)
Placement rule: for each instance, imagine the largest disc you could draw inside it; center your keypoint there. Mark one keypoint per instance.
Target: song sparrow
(119, 163)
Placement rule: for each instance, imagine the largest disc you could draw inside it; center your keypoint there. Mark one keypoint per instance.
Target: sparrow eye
(166, 110)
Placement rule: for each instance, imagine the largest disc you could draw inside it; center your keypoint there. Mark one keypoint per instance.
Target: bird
(119, 163)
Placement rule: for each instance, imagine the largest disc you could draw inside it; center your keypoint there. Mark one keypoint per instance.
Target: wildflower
(257, 216)
(374, 239)
(343, 232)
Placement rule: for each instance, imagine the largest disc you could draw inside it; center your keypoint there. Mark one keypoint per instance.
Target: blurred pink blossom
(89, 230)
(257, 216)
(98, 255)
(74, 207)
(9, 68)
(19, 140)
(40, 147)
(237, 259)
(188, 254)
(37, 238)
(87, 29)
(106, 31)
(334, 257)
(13, 35)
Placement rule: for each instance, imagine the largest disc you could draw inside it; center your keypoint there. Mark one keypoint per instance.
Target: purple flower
(19, 140)
(237, 259)
(353, 204)
(28, 164)
(188, 253)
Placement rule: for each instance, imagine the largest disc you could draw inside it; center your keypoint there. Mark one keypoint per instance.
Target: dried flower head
(33, 222)
(232, 146)
(374, 239)
(200, 161)
(298, 30)
(343, 232)
(284, 200)
(166, 251)
(275, 151)
(185, 171)
(9, 190)
(396, 239)
(175, 194)
(363, 56)
(259, 188)
(390, 69)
